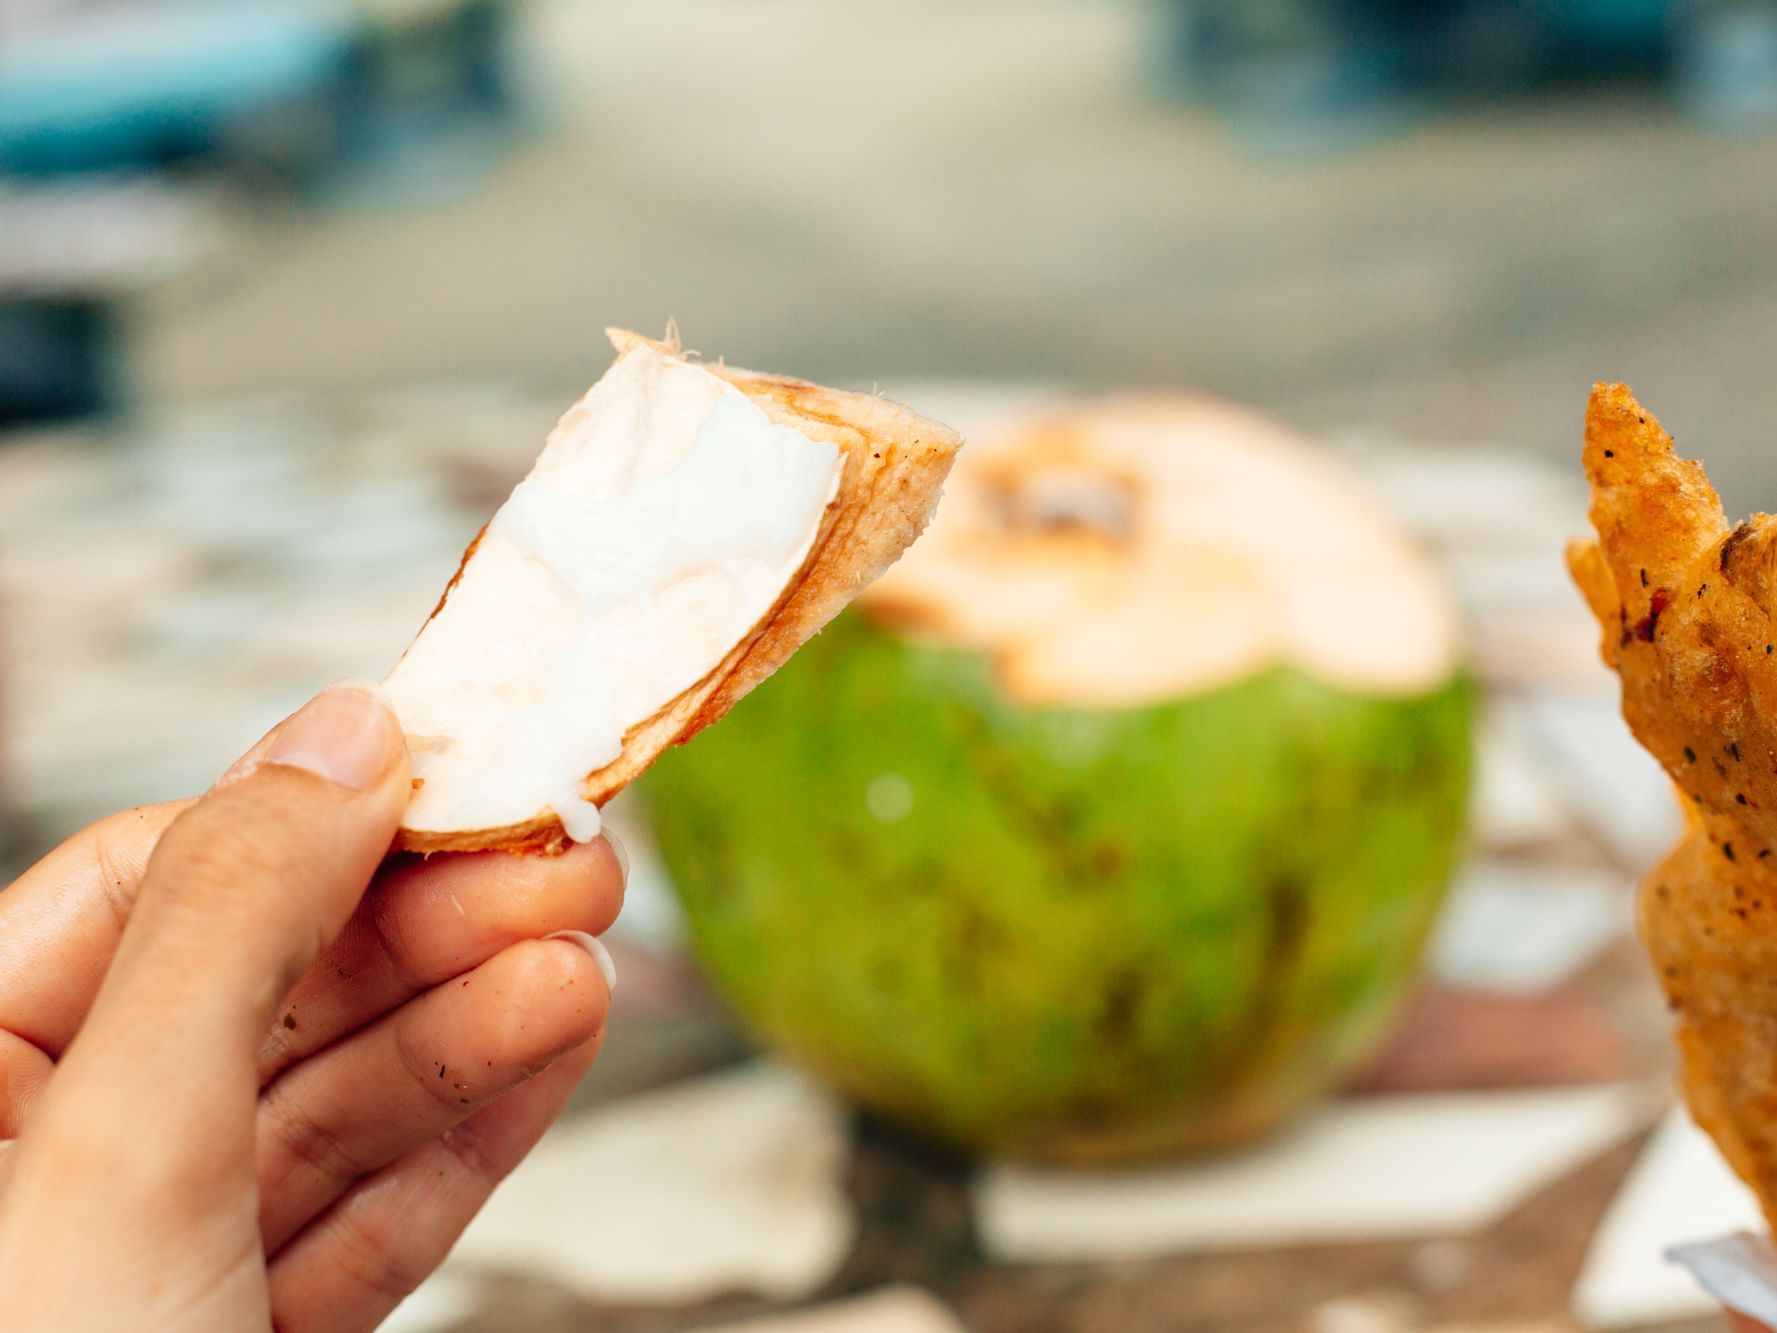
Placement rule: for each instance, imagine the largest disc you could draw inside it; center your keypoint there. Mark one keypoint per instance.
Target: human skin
(255, 1075)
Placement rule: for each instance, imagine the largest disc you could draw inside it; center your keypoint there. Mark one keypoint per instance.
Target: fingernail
(618, 850)
(344, 734)
(593, 945)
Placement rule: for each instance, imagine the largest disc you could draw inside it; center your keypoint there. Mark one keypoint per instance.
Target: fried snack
(1685, 603)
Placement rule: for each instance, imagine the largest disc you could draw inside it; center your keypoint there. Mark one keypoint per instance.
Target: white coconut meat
(1147, 549)
(662, 523)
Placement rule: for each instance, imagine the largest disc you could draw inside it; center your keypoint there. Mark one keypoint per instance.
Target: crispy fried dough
(1685, 604)
(894, 467)
(1710, 926)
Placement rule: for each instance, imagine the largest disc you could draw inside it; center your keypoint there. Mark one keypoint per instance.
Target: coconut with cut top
(1112, 821)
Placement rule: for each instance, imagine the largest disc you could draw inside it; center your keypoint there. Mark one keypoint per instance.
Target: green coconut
(1112, 823)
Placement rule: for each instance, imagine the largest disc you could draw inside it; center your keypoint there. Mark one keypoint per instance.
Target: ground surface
(992, 189)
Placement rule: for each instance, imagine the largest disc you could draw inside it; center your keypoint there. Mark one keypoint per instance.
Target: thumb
(242, 892)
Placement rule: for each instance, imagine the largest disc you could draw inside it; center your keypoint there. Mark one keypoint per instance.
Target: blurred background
(291, 290)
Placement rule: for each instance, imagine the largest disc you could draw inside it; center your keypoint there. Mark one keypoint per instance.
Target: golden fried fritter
(1686, 606)
(1710, 926)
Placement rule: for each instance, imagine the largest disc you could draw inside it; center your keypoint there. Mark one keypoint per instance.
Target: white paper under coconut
(728, 1183)
(1679, 1189)
(1360, 1169)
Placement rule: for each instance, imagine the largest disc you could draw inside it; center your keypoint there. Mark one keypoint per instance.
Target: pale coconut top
(1137, 550)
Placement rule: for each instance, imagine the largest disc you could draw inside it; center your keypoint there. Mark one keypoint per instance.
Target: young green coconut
(685, 529)
(1112, 822)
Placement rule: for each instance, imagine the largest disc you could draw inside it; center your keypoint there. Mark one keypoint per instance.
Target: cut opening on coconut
(1129, 551)
(684, 530)
(1054, 499)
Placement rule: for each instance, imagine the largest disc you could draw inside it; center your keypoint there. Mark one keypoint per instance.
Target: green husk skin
(1096, 935)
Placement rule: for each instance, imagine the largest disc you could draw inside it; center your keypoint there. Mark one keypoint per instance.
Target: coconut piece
(685, 529)
(1130, 551)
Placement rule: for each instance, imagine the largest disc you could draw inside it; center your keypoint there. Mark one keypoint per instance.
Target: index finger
(423, 922)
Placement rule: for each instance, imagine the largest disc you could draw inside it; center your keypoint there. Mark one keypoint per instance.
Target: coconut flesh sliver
(663, 521)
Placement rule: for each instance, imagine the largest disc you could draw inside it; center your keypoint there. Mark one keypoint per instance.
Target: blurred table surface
(171, 586)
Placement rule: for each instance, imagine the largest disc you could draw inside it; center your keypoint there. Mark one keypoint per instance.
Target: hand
(237, 1089)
